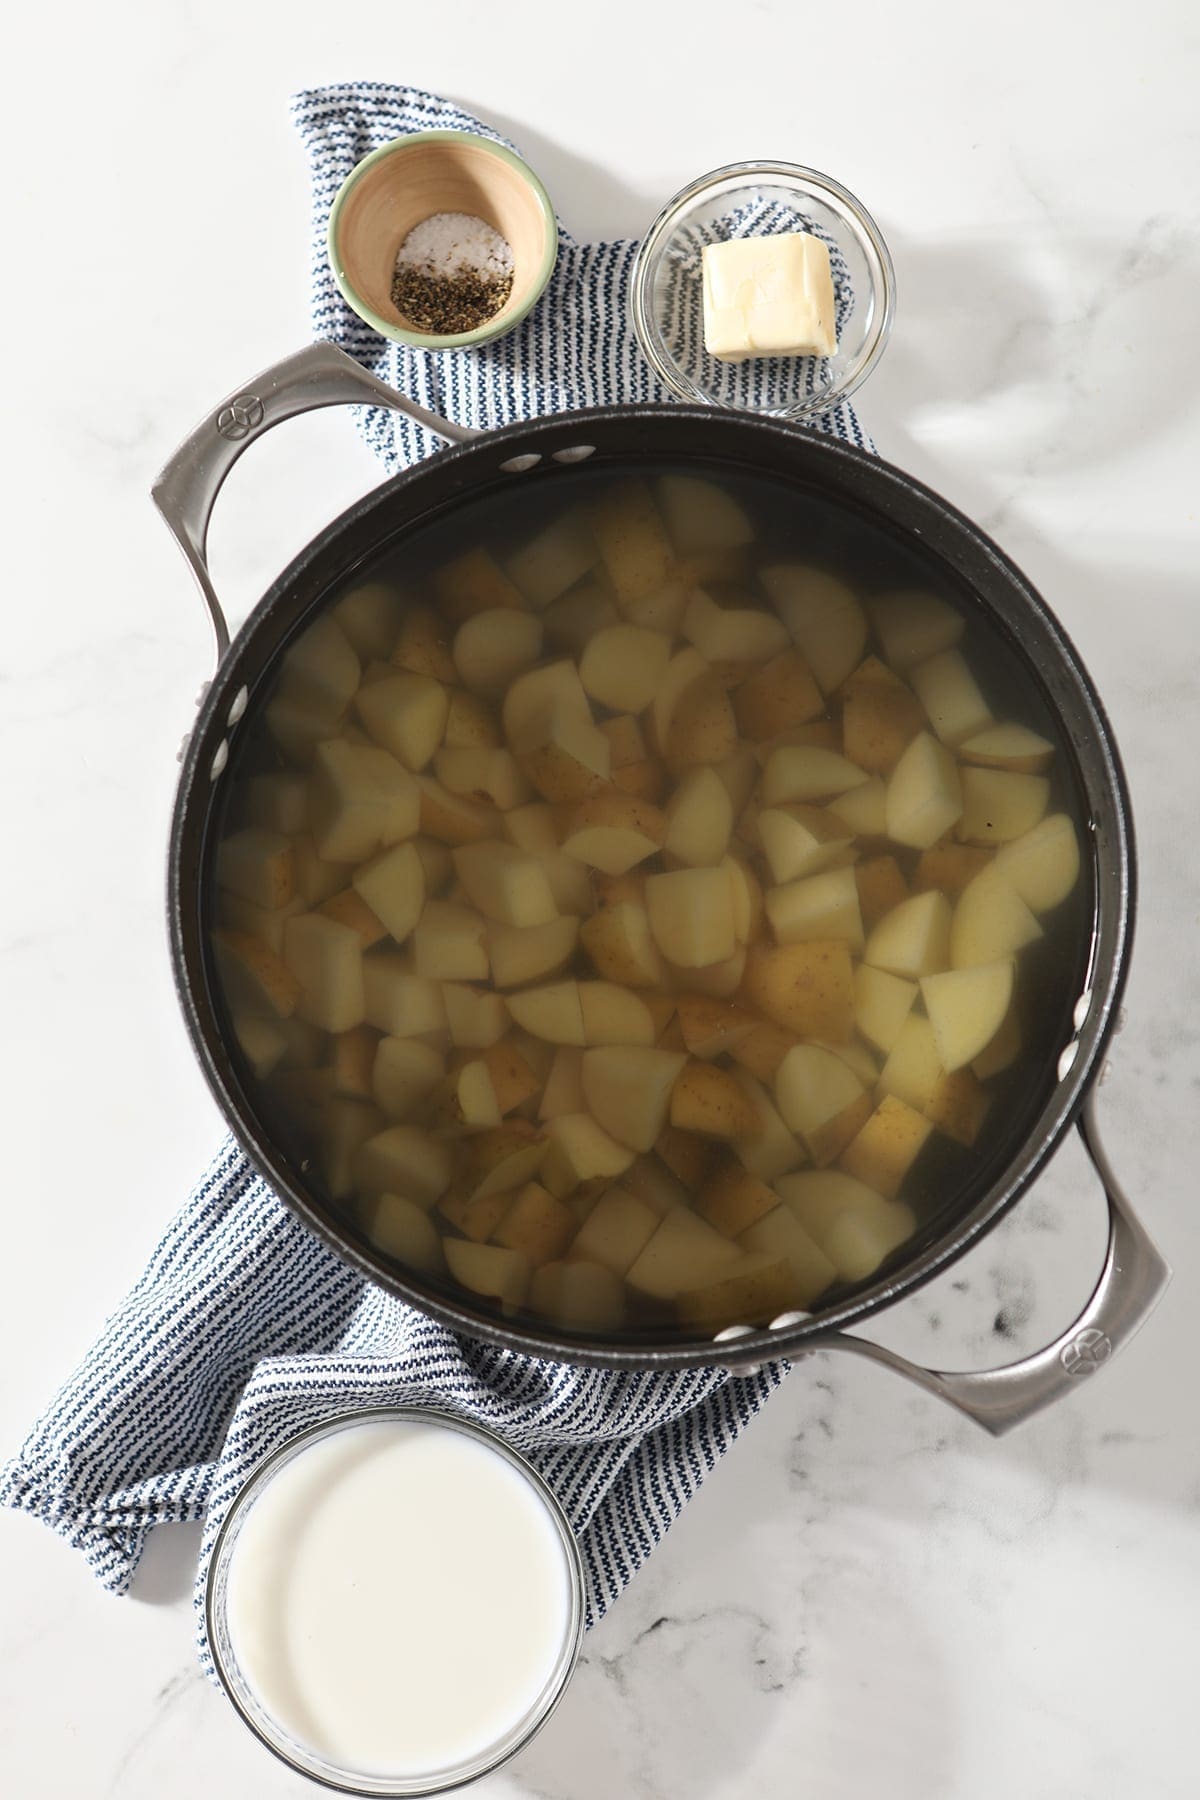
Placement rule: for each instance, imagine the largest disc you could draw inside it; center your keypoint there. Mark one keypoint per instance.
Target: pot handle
(1130, 1286)
(321, 375)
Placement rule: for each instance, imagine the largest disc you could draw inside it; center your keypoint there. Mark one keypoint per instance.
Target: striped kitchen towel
(244, 1328)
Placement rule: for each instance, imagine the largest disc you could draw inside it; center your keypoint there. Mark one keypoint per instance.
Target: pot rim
(1097, 1012)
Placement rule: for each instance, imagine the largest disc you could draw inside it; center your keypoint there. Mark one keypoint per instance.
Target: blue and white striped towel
(244, 1328)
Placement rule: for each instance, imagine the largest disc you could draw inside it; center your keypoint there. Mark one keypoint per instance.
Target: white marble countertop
(868, 1596)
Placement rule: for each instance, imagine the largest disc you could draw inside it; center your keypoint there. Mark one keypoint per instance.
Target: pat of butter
(768, 296)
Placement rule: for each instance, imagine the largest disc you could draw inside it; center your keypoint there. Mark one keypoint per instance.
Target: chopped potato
(825, 620)
(493, 647)
(691, 915)
(627, 1088)
(613, 832)
(617, 929)
(914, 626)
(525, 953)
(776, 697)
(999, 805)
(880, 717)
(711, 1102)
(258, 866)
(406, 714)
(1043, 865)
(699, 820)
(474, 583)
(805, 988)
(553, 561)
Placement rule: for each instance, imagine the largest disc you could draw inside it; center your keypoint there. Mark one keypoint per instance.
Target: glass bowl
(278, 1736)
(762, 199)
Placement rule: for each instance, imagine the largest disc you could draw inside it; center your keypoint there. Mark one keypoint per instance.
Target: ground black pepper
(445, 305)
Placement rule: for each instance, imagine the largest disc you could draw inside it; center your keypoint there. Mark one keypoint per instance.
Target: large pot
(1134, 1274)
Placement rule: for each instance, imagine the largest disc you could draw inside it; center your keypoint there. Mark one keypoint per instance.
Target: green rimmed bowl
(410, 179)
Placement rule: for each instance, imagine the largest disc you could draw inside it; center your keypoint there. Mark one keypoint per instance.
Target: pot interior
(992, 1133)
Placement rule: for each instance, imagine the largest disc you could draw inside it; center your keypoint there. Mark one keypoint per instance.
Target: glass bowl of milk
(395, 1602)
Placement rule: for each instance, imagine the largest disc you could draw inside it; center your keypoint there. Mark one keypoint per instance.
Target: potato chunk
(999, 805)
(403, 1073)
(913, 939)
(691, 915)
(882, 1002)
(991, 923)
(493, 647)
(623, 665)
(404, 1160)
(552, 1012)
(684, 1253)
(821, 1099)
(536, 1225)
(450, 943)
(1043, 865)
(616, 1231)
(524, 953)
(490, 1270)
(806, 772)
(552, 562)
(887, 1146)
(488, 776)
(628, 1091)
(855, 1227)
(579, 1150)
(699, 820)
(732, 639)
(505, 883)
(476, 1017)
(782, 1237)
(711, 1102)
(754, 1291)
(633, 543)
(621, 946)
(801, 840)
(475, 583)
(403, 1230)
(397, 1000)
(256, 980)
(702, 515)
(703, 728)
(360, 800)
(806, 988)
(732, 1199)
(326, 960)
(422, 646)
(370, 617)
(820, 906)
(612, 1015)
(406, 714)
(776, 697)
(924, 796)
(258, 866)
(393, 886)
(950, 695)
(880, 717)
(913, 626)
(966, 1009)
(613, 832)
(824, 618)
(578, 1296)
(1011, 746)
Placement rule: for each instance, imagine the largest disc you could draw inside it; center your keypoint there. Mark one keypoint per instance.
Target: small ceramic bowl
(410, 179)
(761, 199)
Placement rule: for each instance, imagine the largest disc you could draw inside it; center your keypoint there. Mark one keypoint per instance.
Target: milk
(399, 1598)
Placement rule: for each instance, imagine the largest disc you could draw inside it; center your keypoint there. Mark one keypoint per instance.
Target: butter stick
(768, 296)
